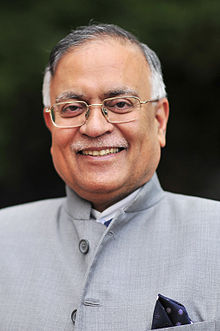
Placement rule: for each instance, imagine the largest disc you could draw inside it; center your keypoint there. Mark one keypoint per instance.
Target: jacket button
(73, 316)
(84, 246)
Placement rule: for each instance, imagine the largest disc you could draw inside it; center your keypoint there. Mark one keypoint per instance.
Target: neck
(103, 206)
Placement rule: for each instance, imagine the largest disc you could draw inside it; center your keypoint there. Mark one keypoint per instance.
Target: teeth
(101, 152)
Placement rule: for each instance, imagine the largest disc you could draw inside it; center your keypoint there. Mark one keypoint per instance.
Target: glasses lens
(122, 109)
(69, 114)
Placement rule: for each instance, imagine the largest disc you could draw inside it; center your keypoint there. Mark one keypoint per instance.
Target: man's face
(104, 162)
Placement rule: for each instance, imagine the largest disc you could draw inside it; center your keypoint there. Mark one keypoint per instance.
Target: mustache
(99, 142)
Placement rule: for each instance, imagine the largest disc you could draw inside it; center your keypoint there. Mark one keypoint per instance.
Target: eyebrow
(118, 92)
(68, 95)
(109, 94)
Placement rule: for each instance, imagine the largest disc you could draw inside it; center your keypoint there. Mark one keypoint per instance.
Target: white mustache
(99, 142)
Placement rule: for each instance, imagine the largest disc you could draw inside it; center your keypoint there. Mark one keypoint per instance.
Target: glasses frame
(103, 110)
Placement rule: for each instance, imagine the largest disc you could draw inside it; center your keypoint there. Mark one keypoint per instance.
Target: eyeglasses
(70, 114)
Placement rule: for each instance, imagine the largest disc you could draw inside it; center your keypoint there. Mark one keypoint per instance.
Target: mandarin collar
(77, 207)
(149, 194)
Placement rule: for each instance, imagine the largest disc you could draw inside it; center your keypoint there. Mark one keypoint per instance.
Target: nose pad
(96, 122)
(87, 114)
(105, 112)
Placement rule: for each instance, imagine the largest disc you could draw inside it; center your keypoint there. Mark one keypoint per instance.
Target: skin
(93, 71)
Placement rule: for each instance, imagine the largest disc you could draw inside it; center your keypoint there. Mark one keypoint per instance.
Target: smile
(101, 152)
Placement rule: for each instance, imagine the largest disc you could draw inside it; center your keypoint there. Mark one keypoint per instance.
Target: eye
(71, 109)
(120, 105)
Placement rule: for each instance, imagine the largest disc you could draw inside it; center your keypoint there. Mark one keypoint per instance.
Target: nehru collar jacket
(61, 270)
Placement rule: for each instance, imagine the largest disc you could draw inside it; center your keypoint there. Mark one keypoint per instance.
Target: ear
(47, 119)
(48, 122)
(162, 114)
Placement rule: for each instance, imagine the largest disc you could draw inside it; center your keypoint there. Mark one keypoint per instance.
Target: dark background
(185, 35)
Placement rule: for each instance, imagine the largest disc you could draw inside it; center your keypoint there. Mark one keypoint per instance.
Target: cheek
(144, 131)
(148, 144)
(60, 151)
(62, 138)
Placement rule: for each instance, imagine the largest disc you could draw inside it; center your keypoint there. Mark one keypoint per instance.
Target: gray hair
(84, 34)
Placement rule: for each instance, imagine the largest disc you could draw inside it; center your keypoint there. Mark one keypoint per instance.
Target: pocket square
(168, 312)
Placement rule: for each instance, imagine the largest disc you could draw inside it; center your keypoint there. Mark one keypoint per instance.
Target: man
(97, 259)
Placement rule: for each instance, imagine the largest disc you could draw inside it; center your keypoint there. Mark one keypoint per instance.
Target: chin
(101, 187)
(97, 189)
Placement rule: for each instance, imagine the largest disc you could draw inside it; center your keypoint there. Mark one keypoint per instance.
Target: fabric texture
(161, 243)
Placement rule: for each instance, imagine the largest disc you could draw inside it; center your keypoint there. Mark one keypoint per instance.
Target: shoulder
(31, 211)
(32, 206)
(189, 207)
(191, 201)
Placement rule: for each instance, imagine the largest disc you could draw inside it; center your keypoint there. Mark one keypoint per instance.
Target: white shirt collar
(110, 212)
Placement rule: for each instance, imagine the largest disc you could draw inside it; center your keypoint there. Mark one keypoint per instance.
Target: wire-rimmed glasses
(73, 113)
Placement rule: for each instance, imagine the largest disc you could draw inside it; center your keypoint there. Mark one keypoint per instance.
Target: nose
(96, 124)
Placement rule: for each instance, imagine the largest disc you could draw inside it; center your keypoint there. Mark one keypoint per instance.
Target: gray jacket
(162, 243)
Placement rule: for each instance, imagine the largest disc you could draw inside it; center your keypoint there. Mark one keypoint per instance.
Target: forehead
(101, 64)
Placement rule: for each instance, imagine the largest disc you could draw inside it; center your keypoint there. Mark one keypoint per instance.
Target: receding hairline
(84, 34)
(101, 37)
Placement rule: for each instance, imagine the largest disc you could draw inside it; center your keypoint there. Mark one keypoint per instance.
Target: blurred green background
(185, 35)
